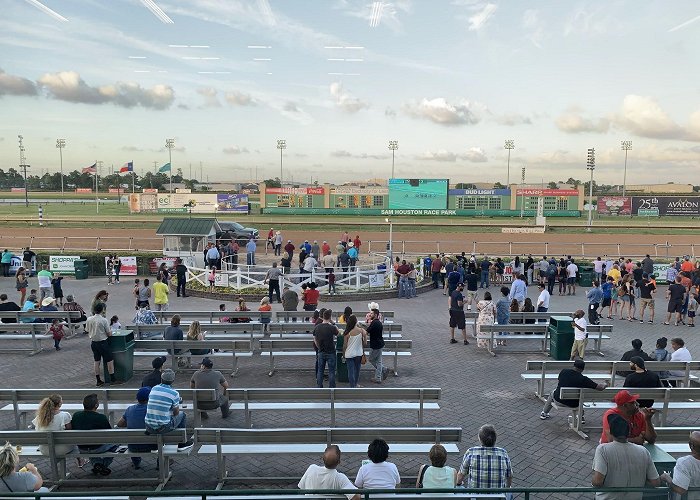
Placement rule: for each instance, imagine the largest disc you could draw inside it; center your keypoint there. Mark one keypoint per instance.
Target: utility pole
(155, 167)
(201, 172)
(281, 145)
(393, 145)
(509, 144)
(23, 165)
(626, 147)
(590, 165)
(60, 144)
(190, 170)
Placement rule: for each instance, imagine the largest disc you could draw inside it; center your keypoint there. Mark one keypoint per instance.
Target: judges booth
(187, 238)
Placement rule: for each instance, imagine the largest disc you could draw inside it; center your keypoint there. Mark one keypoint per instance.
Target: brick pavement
(477, 389)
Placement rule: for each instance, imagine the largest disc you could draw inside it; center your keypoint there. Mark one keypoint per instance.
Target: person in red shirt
(270, 239)
(325, 249)
(357, 243)
(687, 266)
(640, 425)
(310, 297)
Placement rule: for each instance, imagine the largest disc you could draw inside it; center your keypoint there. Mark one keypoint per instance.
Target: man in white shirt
(310, 263)
(543, 299)
(571, 270)
(686, 473)
(680, 353)
(598, 269)
(327, 477)
(580, 335)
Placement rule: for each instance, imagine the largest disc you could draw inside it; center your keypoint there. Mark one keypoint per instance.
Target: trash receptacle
(341, 367)
(663, 462)
(561, 337)
(122, 344)
(586, 275)
(82, 269)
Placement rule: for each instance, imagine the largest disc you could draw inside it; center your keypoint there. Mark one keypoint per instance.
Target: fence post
(63, 247)
(131, 240)
(238, 277)
(510, 248)
(474, 247)
(583, 249)
(618, 251)
(357, 278)
(403, 247)
(438, 247)
(97, 244)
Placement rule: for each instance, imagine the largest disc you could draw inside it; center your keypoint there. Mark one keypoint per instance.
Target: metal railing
(425, 494)
(85, 243)
(581, 249)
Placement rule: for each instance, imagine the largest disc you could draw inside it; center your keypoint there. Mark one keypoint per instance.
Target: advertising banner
(674, 206)
(149, 190)
(306, 190)
(115, 191)
(660, 272)
(479, 192)
(128, 266)
(83, 190)
(615, 205)
(185, 203)
(17, 190)
(232, 203)
(441, 213)
(546, 192)
(418, 193)
(17, 263)
(374, 190)
(62, 264)
(221, 279)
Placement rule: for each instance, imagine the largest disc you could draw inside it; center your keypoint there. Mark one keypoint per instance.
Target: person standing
(289, 249)
(676, 296)
(472, 282)
(543, 298)
(518, 290)
(161, 292)
(6, 261)
(250, 248)
(595, 297)
(45, 276)
(357, 242)
(571, 270)
(28, 259)
(621, 463)
(375, 331)
(686, 472)
(99, 332)
(648, 265)
(324, 340)
(353, 254)
(435, 267)
(290, 299)
(457, 319)
(21, 283)
(109, 269)
(487, 316)
(580, 335)
(316, 250)
(278, 243)
(144, 295)
(270, 240)
(207, 378)
(354, 340)
(117, 263)
(212, 254)
(272, 278)
(181, 275)
(486, 466)
(647, 290)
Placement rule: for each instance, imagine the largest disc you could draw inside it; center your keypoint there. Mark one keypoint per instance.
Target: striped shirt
(161, 402)
(486, 467)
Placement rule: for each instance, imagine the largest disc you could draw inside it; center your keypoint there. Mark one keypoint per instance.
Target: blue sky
(450, 80)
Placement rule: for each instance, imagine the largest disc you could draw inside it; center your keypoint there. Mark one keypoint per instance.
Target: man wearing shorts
(676, 296)
(457, 319)
(580, 335)
(571, 270)
(646, 292)
(99, 332)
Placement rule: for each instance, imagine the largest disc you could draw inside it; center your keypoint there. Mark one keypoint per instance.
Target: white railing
(359, 278)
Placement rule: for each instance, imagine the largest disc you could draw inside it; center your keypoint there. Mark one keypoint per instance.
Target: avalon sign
(683, 206)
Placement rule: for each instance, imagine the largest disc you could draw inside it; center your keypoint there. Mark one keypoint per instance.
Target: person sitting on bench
(163, 413)
(89, 419)
(327, 477)
(571, 377)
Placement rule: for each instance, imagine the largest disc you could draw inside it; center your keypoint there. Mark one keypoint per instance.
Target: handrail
(365, 493)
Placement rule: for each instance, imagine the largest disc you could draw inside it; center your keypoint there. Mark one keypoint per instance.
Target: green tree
(552, 185)
(498, 185)
(273, 183)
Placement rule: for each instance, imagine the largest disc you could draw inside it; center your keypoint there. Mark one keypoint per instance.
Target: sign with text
(372, 190)
(17, 263)
(183, 203)
(615, 205)
(62, 264)
(232, 202)
(221, 279)
(479, 192)
(83, 190)
(675, 206)
(546, 192)
(306, 190)
(128, 268)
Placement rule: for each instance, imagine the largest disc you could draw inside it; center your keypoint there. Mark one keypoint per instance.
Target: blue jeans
(106, 461)
(323, 358)
(436, 279)
(484, 279)
(354, 365)
(411, 288)
(250, 256)
(403, 287)
(179, 421)
(139, 448)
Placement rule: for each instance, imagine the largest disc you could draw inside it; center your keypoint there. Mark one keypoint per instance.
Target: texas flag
(92, 169)
(127, 167)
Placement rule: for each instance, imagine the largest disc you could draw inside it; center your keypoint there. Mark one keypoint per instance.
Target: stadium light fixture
(281, 145)
(509, 144)
(626, 146)
(60, 144)
(590, 165)
(170, 144)
(393, 145)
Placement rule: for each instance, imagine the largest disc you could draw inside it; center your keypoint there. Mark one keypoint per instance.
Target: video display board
(418, 193)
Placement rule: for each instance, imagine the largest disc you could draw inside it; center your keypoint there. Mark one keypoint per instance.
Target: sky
(450, 80)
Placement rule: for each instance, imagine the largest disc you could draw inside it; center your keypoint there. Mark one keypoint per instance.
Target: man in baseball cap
(641, 429)
(133, 418)
(641, 378)
(153, 378)
(163, 413)
(206, 378)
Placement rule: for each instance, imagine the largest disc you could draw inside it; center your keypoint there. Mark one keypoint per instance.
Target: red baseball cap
(624, 397)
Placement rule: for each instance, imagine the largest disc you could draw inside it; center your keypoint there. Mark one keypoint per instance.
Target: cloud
(474, 155)
(69, 86)
(291, 110)
(290, 107)
(534, 27)
(15, 85)
(236, 98)
(390, 112)
(644, 117)
(389, 15)
(479, 12)
(440, 111)
(512, 120)
(235, 150)
(301, 155)
(341, 153)
(132, 149)
(211, 97)
(345, 100)
(572, 122)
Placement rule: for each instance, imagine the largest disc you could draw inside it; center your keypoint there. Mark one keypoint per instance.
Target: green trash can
(341, 367)
(122, 344)
(561, 337)
(82, 269)
(586, 275)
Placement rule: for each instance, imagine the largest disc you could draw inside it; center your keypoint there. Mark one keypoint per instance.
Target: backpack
(621, 291)
(551, 271)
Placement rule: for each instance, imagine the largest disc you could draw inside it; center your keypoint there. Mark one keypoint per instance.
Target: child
(503, 312)
(137, 285)
(212, 278)
(224, 319)
(265, 307)
(331, 282)
(692, 308)
(56, 331)
(242, 307)
(114, 324)
(57, 290)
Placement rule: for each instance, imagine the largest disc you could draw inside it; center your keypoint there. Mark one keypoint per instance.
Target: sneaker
(641, 321)
(186, 446)
(205, 415)
(544, 416)
(453, 341)
(466, 342)
(650, 322)
(385, 373)
(99, 383)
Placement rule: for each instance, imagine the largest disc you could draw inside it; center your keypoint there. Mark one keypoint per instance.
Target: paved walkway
(477, 389)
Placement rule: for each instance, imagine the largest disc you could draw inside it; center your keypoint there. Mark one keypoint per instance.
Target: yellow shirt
(160, 290)
(615, 273)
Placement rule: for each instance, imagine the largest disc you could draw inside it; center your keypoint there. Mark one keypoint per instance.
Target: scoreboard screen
(418, 193)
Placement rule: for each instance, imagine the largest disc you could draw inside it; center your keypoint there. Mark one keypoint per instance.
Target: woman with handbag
(354, 340)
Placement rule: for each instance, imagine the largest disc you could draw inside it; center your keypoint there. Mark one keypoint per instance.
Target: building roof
(197, 226)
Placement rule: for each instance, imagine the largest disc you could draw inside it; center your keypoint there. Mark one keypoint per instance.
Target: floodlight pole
(23, 165)
(393, 146)
(590, 165)
(626, 146)
(390, 253)
(60, 144)
(522, 187)
(170, 144)
(281, 145)
(509, 144)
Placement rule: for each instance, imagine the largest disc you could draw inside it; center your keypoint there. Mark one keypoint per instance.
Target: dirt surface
(551, 243)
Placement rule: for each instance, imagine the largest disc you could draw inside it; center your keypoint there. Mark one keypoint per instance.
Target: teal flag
(164, 168)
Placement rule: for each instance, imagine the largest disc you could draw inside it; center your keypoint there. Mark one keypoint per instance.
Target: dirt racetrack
(550, 243)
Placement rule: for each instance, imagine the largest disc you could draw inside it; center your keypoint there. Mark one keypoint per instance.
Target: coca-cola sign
(683, 206)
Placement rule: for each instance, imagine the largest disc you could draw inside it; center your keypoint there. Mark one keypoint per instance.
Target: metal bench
(240, 330)
(402, 440)
(166, 446)
(228, 348)
(25, 332)
(24, 401)
(603, 370)
(389, 330)
(277, 348)
(301, 316)
(69, 318)
(538, 331)
(211, 316)
(334, 399)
